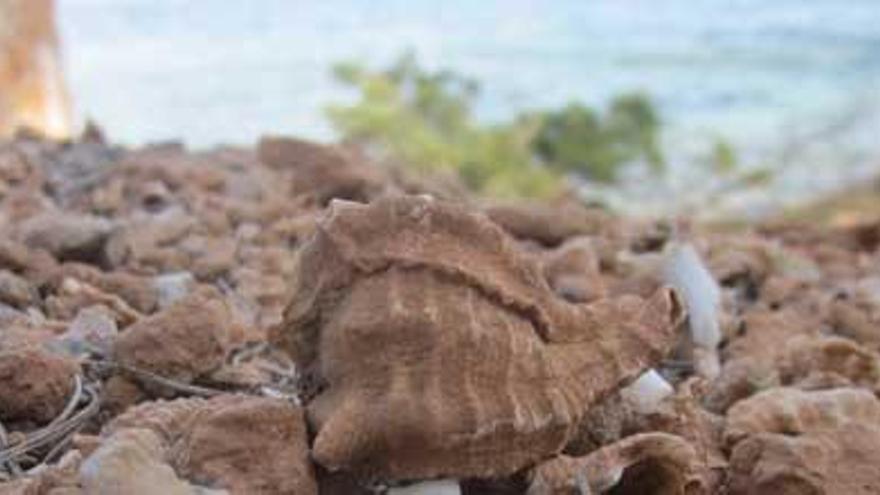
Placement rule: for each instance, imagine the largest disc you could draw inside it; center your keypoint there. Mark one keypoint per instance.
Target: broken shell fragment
(441, 348)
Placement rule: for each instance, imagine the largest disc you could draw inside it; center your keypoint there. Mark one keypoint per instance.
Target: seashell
(657, 463)
(443, 350)
(793, 412)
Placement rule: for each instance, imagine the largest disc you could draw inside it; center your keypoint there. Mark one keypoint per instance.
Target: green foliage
(723, 159)
(577, 139)
(423, 119)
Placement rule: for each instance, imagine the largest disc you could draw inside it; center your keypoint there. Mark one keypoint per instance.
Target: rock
(389, 291)
(135, 290)
(321, 172)
(754, 353)
(173, 286)
(67, 236)
(132, 462)
(246, 445)
(830, 462)
(546, 224)
(786, 440)
(791, 411)
(656, 463)
(188, 340)
(120, 393)
(15, 290)
(35, 384)
(819, 362)
(92, 331)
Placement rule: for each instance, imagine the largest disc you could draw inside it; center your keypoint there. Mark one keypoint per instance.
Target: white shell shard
(433, 487)
(685, 271)
(647, 391)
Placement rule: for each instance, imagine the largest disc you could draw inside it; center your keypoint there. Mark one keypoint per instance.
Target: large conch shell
(441, 348)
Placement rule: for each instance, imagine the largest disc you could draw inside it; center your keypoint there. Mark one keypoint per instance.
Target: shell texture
(442, 349)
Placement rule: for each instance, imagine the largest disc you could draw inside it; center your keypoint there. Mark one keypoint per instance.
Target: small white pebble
(647, 391)
(172, 287)
(433, 487)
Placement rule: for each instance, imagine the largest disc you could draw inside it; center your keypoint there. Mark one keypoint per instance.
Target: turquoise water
(773, 77)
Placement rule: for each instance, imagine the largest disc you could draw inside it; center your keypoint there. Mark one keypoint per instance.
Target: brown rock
(656, 463)
(247, 445)
(133, 289)
(443, 349)
(120, 393)
(858, 322)
(321, 172)
(67, 236)
(818, 362)
(830, 462)
(548, 224)
(132, 461)
(791, 411)
(15, 290)
(188, 340)
(753, 354)
(35, 384)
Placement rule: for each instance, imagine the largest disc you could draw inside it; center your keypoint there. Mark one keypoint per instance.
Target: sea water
(783, 81)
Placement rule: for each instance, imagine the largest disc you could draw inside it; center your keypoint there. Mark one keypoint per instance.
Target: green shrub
(423, 119)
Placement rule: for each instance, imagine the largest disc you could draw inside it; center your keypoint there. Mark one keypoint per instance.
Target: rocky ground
(293, 320)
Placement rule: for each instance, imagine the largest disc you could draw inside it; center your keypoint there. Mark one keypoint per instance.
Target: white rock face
(685, 271)
(433, 487)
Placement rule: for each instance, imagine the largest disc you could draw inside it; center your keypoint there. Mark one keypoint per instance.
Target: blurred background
(721, 108)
